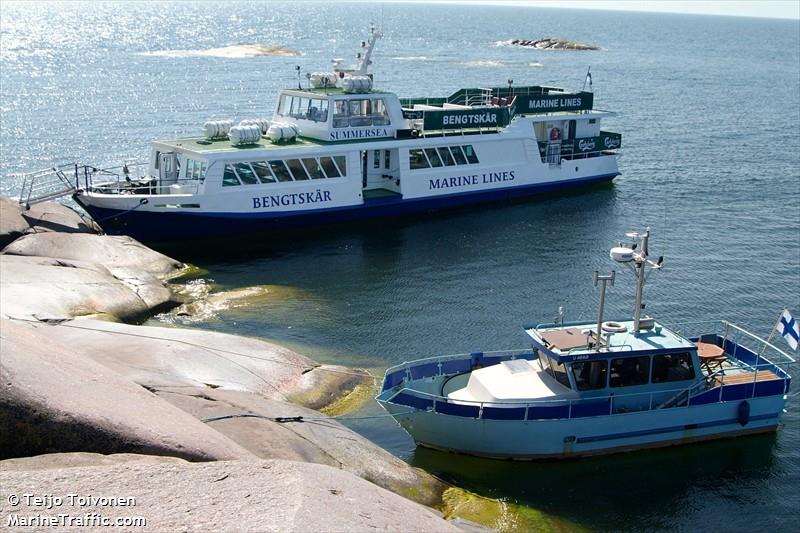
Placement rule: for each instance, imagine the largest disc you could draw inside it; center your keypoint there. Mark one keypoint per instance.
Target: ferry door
(381, 169)
(167, 168)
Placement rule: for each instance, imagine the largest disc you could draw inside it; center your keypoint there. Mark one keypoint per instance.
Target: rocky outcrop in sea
(553, 43)
(211, 430)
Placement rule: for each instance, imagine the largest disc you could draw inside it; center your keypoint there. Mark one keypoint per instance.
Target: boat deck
(746, 377)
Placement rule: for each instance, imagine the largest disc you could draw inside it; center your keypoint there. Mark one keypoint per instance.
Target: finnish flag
(789, 329)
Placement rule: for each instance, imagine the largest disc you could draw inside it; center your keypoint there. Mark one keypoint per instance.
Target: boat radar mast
(639, 264)
(363, 57)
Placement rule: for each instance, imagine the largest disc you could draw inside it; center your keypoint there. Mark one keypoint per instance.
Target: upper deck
(576, 341)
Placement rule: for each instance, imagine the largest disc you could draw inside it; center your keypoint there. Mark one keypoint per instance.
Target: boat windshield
(557, 370)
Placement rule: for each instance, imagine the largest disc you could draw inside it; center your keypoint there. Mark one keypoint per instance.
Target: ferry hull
(555, 439)
(149, 225)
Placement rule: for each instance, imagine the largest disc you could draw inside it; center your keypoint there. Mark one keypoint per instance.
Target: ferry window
(590, 375)
(158, 158)
(203, 168)
(318, 110)
(434, 157)
(458, 155)
(340, 114)
(229, 178)
(280, 171)
(559, 371)
(417, 159)
(283, 105)
(376, 159)
(329, 167)
(592, 120)
(189, 168)
(246, 174)
(672, 367)
(629, 371)
(470, 153)
(387, 159)
(446, 157)
(341, 162)
(262, 171)
(379, 115)
(297, 169)
(360, 111)
(313, 168)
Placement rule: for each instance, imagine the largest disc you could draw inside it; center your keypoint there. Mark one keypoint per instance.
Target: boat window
(284, 105)
(433, 157)
(417, 159)
(376, 159)
(446, 157)
(246, 174)
(379, 115)
(629, 371)
(158, 158)
(203, 168)
(229, 177)
(590, 375)
(672, 367)
(458, 155)
(559, 371)
(313, 168)
(318, 110)
(387, 159)
(360, 113)
(297, 169)
(329, 167)
(341, 162)
(340, 114)
(470, 153)
(263, 172)
(280, 171)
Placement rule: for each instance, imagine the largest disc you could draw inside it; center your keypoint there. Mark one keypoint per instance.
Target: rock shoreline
(113, 408)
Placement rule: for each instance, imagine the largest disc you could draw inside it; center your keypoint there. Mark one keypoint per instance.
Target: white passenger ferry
(341, 150)
(587, 388)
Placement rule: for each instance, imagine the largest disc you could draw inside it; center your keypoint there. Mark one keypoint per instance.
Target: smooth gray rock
(49, 288)
(265, 495)
(107, 250)
(316, 438)
(12, 225)
(55, 216)
(164, 356)
(53, 398)
(52, 461)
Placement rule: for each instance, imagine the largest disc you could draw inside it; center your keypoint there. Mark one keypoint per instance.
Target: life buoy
(555, 134)
(614, 327)
(415, 133)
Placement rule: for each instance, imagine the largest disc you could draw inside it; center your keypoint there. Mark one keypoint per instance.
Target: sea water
(709, 113)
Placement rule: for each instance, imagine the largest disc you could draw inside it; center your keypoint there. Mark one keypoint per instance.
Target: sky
(786, 9)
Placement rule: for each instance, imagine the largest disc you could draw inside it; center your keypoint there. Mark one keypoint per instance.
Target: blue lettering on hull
(149, 226)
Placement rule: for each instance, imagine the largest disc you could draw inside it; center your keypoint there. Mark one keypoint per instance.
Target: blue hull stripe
(183, 224)
(672, 429)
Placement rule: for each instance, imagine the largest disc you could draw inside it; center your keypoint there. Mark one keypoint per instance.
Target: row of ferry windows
(624, 372)
(315, 109)
(442, 156)
(360, 113)
(254, 172)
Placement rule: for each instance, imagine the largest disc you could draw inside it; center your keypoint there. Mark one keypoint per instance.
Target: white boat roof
(554, 340)
(510, 381)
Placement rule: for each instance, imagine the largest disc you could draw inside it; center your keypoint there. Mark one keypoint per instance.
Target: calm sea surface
(710, 117)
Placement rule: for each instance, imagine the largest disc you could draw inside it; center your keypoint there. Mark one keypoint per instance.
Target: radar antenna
(639, 264)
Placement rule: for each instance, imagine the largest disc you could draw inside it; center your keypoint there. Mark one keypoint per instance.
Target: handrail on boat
(672, 398)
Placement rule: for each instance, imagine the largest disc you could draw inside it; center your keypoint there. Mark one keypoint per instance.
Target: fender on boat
(744, 413)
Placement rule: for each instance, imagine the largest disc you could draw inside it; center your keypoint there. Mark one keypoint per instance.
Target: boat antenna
(604, 279)
(297, 68)
(588, 79)
(367, 47)
(638, 262)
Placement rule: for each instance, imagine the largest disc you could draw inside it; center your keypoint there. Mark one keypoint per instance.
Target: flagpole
(772, 333)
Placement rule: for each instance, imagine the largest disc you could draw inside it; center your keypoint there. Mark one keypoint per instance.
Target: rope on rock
(285, 419)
